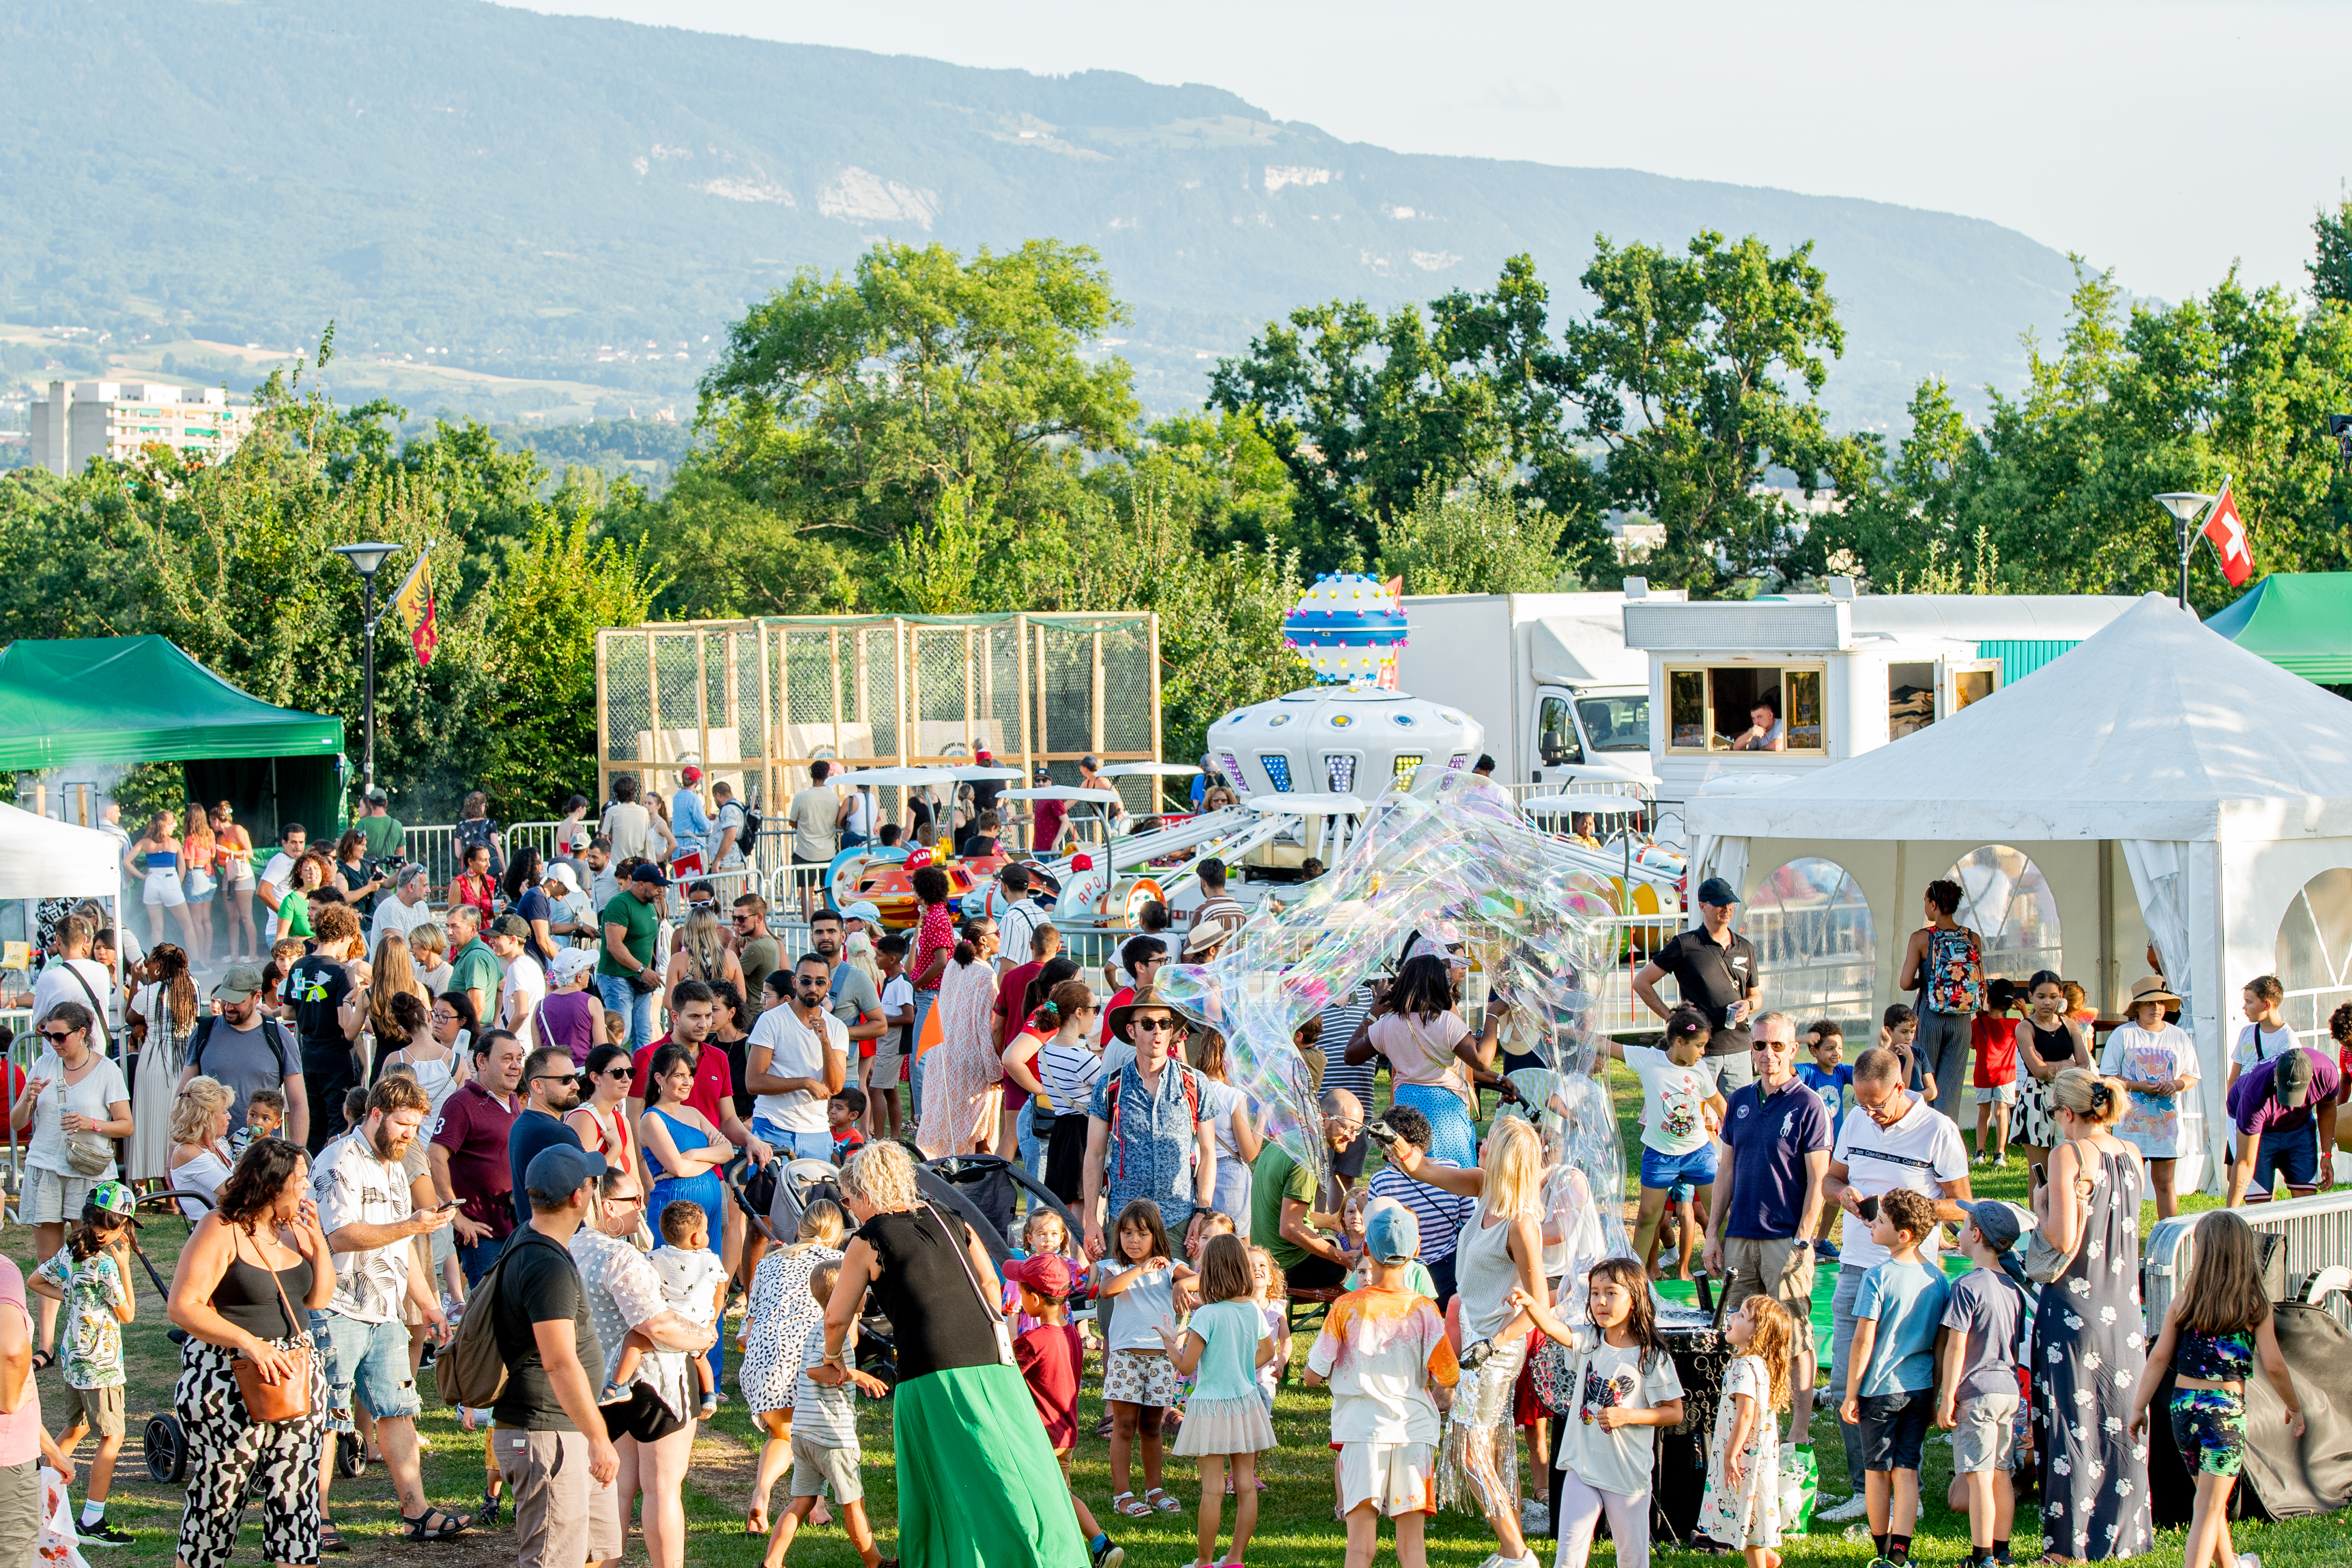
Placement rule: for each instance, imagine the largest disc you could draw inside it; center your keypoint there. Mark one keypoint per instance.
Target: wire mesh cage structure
(755, 702)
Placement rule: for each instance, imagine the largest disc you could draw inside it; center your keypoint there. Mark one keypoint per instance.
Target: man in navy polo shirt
(1768, 1197)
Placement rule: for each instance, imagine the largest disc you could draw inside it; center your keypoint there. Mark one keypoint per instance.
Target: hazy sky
(2165, 141)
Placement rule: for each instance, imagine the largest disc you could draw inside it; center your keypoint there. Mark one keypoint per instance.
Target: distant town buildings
(116, 420)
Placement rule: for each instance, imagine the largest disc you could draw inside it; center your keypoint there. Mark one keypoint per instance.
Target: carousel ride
(1302, 769)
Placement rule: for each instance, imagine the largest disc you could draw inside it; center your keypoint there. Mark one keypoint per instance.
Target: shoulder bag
(995, 1313)
(286, 1401)
(2043, 1262)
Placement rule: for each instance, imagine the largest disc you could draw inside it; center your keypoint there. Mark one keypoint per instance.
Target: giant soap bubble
(1454, 859)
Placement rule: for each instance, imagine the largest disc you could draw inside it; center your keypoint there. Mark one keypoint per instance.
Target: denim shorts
(369, 1359)
(1895, 1428)
(1698, 1168)
(816, 1145)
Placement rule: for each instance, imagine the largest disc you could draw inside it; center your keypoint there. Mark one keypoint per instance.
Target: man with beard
(362, 1192)
(551, 1092)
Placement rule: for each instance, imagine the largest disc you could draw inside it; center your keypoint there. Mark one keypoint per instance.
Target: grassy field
(1296, 1529)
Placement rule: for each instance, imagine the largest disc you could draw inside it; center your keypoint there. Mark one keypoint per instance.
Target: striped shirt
(1069, 1073)
(826, 1416)
(1441, 1214)
(1339, 1021)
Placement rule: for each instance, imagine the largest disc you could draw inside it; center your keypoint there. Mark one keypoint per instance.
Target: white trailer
(1842, 673)
(1562, 699)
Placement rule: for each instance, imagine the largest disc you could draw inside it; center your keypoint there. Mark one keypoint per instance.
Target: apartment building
(83, 419)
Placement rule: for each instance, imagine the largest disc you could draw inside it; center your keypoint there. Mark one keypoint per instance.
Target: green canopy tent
(140, 699)
(2299, 621)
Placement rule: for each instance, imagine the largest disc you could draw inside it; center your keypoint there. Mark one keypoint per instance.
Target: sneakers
(1982, 1158)
(1826, 1251)
(2000, 1161)
(1854, 1508)
(1106, 1554)
(103, 1533)
(486, 1516)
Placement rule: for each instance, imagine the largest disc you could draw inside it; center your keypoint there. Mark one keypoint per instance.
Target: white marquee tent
(2221, 782)
(45, 858)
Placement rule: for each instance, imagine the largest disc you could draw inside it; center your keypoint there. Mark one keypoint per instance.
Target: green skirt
(978, 1486)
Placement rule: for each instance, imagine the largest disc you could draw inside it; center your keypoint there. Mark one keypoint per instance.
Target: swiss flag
(2228, 533)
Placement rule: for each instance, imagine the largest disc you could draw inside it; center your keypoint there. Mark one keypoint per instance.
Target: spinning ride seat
(849, 869)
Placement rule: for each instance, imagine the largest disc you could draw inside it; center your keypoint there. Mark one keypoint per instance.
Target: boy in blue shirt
(1890, 1381)
(1828, 1076)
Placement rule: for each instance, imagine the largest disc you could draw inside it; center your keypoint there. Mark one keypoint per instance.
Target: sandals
(760, 1529)
(43, 1360)
(1131, 1506)
(1158, 1497)
(421, 1527)
(331, 1539)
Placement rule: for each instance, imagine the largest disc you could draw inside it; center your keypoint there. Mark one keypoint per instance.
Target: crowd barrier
(2317, 1231)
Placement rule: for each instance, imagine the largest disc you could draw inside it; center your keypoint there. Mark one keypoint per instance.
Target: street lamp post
(2186, 507)
(367, 559)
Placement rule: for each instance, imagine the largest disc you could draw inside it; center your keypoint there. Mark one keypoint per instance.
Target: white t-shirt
(352, 1186)
(395, 918)
(102, 1088)
(630, 827)
(795, 1052)
(1919, 1154)
(1673, 1100)
(1619, 1462)
(55, 983)
(898, 996)
(277, 874)
(527, 983)
(1381, 1350)
(2256, 1044)
(689, 1280)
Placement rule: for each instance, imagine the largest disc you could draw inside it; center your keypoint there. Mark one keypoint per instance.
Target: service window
(1970, 684)
(1555, 735)
(1718, 707)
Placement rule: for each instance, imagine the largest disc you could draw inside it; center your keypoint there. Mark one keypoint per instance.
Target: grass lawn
(1296, 1526)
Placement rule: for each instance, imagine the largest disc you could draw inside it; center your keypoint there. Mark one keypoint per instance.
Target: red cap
(1045, 1274)
(693, 775)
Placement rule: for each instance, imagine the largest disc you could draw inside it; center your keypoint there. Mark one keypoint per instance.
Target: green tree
(1475, 535)
(2331, 265)
(855, 403)
(1694, 374)
(1365, 411)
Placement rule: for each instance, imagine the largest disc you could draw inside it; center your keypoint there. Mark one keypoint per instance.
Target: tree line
(934, 434)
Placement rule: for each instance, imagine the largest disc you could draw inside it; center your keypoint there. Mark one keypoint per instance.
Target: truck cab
(1592, 735)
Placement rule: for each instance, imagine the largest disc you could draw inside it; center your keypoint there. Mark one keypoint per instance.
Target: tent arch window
(2007, 901)
(1814, 940)
(2313, 955)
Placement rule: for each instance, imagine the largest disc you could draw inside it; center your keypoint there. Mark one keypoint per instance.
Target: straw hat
(2150, 988)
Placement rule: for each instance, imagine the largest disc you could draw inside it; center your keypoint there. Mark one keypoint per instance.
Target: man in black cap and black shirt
(549, 1442)
(1714, 970)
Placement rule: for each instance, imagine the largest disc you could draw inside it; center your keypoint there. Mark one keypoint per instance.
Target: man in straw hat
(1149, 1126)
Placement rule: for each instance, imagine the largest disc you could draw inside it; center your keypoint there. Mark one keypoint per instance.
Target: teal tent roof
(2299, 621)
(138, 699)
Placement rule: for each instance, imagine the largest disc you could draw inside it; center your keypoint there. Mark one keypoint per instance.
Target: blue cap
(1718, 891)
(558, 1171)
(1391, 1235)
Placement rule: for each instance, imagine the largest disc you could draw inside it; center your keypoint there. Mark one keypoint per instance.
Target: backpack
(272, 1031)
(747, 838)
(1191, 1081)
(471, 1372)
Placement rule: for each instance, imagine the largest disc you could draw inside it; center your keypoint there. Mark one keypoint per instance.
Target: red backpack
(1191, 1081)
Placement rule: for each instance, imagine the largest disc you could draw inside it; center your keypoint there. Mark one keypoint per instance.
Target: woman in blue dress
(685, 1153)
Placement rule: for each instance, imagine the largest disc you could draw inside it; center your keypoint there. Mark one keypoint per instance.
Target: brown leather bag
(286, 1401)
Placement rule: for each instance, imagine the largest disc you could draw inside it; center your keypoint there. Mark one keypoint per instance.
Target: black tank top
(2053, 1049)
(922, 1287)
(248, 1295)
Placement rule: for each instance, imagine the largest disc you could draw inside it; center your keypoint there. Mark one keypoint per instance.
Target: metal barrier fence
(2318, 1232)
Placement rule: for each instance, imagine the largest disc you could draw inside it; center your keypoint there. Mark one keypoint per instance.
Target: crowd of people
(531, 1095)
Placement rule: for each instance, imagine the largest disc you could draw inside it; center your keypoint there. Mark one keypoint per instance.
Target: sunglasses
(623, 1073)
(815, 982)
(555, 1077)
(1156, 1026)
(58, 1036)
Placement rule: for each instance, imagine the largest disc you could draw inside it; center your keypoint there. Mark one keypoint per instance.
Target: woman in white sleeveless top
(1500, 1254)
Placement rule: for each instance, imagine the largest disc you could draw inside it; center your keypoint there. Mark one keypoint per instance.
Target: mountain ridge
(539, 192)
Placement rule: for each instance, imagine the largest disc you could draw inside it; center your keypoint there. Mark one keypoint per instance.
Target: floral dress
(776, 1325)
(962, 1074)
(1749, 1514)
(2090, 1348)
